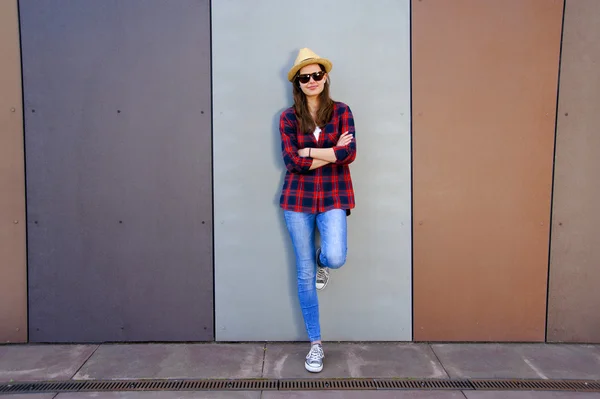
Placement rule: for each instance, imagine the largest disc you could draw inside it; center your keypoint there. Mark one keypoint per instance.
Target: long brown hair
(305, 121)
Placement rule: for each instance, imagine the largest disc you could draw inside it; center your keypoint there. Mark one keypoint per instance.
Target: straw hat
(306, 57)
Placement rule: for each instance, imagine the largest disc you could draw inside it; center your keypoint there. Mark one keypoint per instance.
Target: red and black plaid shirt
(325, 188)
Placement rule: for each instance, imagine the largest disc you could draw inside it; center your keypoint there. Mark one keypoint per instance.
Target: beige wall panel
(13, 274)
(484, 99)
(574, 298)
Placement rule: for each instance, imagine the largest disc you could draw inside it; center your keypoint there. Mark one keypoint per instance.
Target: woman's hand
(344, 140)
(304, 152)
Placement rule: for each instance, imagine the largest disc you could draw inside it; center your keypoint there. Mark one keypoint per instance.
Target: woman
(318, 144)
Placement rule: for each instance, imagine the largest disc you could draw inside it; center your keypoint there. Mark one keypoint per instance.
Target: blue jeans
(332, 226)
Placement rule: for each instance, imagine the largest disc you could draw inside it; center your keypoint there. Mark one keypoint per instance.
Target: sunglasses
(317, 77)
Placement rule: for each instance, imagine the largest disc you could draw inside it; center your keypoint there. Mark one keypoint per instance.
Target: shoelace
(315, 354)
(322, 274)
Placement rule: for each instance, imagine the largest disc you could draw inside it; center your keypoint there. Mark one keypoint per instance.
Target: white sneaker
(322, 273)
(314, 359)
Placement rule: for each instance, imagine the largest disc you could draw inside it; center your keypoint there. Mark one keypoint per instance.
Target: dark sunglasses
(317, 77)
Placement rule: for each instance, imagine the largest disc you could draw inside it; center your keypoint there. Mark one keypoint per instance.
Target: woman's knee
(335, 258)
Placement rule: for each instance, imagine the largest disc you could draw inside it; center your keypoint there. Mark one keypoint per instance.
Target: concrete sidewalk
(20, 363)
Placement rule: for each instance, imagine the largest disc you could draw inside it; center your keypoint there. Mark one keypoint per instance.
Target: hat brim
(323, 61)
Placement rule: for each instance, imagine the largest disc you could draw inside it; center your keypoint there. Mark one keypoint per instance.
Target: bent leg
(333, 228)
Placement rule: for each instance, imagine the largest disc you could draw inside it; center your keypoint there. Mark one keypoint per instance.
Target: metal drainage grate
(143, 385)
(423, 384)
(327, 384)
(537, 385)
(230, 385)
(300, 385)
(139, 385)
(32, 387)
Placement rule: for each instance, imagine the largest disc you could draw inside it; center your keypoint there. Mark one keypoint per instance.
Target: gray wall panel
(254, 44)
(573, 300)
(117, 103)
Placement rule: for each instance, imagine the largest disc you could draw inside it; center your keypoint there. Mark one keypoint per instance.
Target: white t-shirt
(317, 132)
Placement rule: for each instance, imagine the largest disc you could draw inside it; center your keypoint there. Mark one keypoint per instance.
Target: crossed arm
(317, 163)
(344, 152)
(306, 159)
(324, 156)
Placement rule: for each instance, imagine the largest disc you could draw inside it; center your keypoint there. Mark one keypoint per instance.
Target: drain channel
(299, 385)
(536, 385)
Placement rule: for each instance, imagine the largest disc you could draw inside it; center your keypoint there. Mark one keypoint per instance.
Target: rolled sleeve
(347, 154)
(289, 148)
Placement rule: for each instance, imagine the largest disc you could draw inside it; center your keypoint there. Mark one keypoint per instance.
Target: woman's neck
(313, 105)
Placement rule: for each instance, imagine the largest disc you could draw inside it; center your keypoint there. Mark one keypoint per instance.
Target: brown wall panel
(484, 98)
(574, 298)
(13, 273)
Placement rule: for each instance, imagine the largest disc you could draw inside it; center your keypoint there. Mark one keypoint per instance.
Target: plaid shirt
(325, 188)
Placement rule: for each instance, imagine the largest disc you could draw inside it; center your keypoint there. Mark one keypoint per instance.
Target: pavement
(31, 363)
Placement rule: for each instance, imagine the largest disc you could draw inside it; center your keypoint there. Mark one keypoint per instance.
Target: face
(312, 88)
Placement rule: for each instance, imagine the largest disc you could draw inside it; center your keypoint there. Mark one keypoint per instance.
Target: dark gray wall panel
(117, 104)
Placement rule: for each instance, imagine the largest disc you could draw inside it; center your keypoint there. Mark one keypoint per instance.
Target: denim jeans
(332, 226)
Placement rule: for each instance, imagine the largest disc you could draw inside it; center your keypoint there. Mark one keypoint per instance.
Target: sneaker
(314, 359)
(322, 273)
